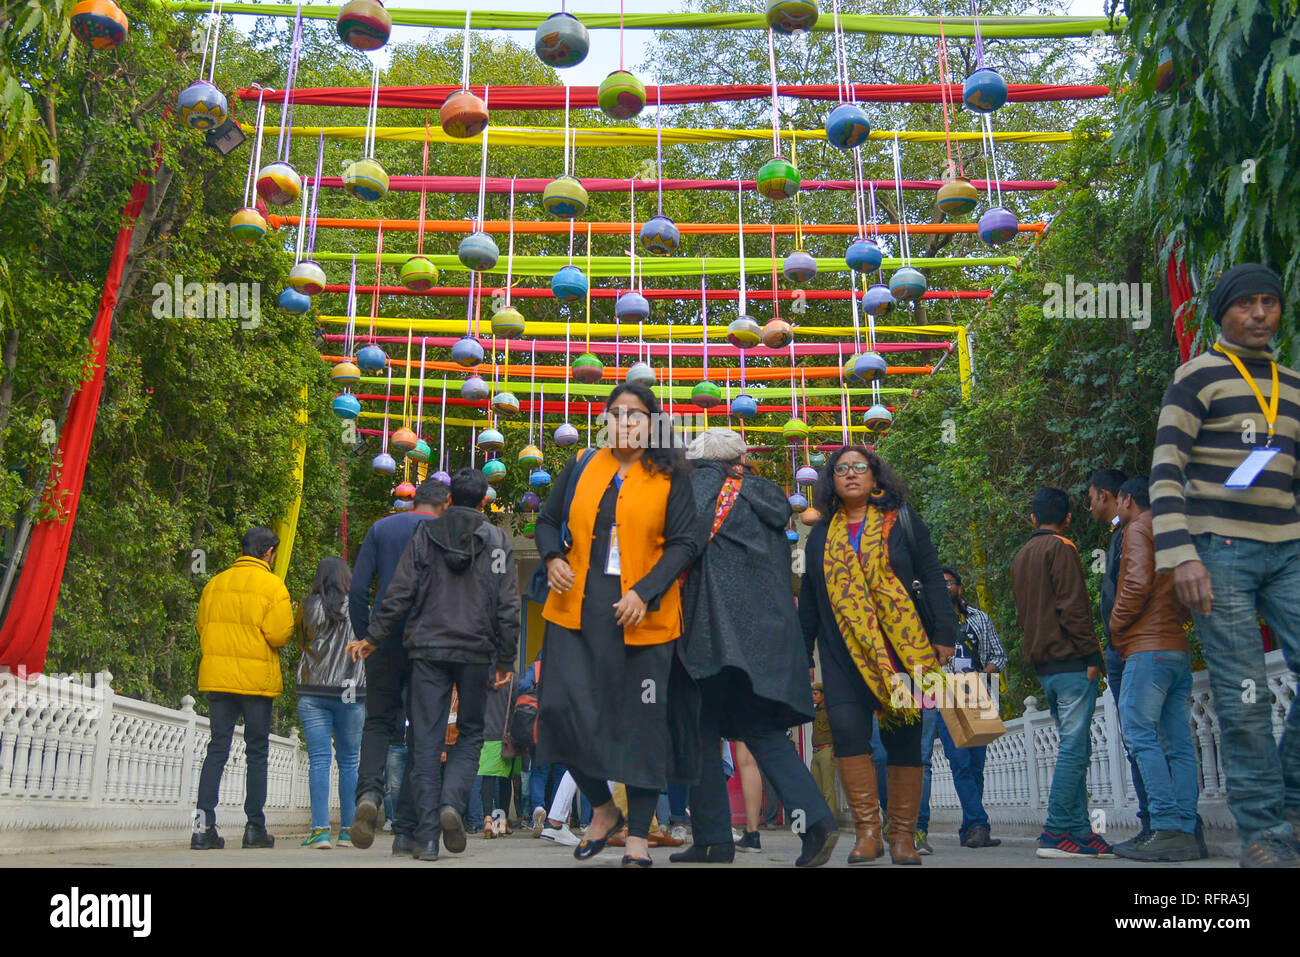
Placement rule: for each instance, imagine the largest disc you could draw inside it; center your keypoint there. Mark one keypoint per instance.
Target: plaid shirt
(975, 624)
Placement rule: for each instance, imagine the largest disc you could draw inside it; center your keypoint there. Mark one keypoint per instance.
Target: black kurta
(742, 641)
(620, 712)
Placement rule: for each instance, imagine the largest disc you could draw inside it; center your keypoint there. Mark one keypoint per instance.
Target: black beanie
(1245, 279)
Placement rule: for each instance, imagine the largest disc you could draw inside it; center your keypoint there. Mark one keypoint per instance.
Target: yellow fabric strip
(286, 528)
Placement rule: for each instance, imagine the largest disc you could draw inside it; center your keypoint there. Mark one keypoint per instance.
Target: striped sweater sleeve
(1181, 415)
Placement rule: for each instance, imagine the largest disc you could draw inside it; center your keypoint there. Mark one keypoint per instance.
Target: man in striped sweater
(1223, 497)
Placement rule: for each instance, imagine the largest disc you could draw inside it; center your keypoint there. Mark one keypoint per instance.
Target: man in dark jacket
(387, 670)
(1059, 644)
(1103, 505)
(458, 590)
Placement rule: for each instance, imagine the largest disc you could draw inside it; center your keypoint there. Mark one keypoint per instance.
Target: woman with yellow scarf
(856, 605)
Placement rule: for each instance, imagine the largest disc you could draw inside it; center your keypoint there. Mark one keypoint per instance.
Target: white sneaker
(388, 825)
(539, 821)
(735, 835)
(561, 835)
(681, 832)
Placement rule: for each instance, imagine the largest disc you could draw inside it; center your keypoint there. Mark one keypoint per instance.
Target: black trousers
(640, 801)
(776, 758)
(851, 726)
(223, 712)
(433, 785)
(388, 677)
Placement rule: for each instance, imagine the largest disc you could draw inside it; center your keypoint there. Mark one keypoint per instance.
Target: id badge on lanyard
(1245, 474)
(613, 565)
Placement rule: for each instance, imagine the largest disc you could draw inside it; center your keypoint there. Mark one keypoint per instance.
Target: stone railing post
(1031, 751)
(103, 739)
(293, 777)
(187, 749)
(1115, 745)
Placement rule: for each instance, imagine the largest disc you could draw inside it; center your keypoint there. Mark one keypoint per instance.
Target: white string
(776, 122)
(216, 35)
(510, 250)
(905, 245)
(992, 154)
(464, 62)
(255, 159)
(482, 176)
(740, 232)
(565, 147)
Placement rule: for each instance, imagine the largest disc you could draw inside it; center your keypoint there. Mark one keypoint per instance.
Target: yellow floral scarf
(875, 613)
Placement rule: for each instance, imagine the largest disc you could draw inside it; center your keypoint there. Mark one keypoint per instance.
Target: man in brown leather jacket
(1146, 627)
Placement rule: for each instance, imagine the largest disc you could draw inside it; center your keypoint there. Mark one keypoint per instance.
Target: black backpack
(521, 728)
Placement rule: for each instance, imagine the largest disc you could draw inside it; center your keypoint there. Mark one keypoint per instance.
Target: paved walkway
(780, 848)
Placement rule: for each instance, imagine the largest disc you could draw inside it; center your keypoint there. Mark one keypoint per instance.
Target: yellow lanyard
(1268, 408)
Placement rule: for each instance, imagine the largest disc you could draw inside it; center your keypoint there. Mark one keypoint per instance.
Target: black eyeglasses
(631, 415)
(858, 468)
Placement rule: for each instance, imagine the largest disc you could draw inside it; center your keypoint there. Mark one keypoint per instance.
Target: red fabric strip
(544, 292)
(501, 184)
(627, 350)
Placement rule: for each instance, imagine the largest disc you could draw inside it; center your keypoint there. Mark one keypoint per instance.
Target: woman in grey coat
(742, 644)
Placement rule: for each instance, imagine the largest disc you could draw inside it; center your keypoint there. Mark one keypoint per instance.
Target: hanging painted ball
(907, 284)
(795, 430)
(247, 224)
(364, 25)
(632, 307)
(478, 251)
(421, 452)
(307, 277)
(561, 41)
(202, 106)
(706, 394)
(744, 406)
(463, 115)
(419, 274)
(1164, 71)
(777, 179)
(797, 502)
(405, 491)
(505, 403)
(847, 126)
(490, 440)
(442, 477)
(529, 502)
(475, 389)
(957, 197)
(620, 95)
(530, 457)
(743, 332)
(878, 300)
(565, 435)
(529, 530)
(799, 266)
(660, 236)
(403, 439)
(806, 475)
(279, 184)
(569, 284)
(878, 418)
(791, 536)
(865, 368)
(372, 358)
(384, 464)
(791, 16)
(810, 516)
(100, 23)
(984, 90)
(507, 323)
(402, 506)
(864, 255)
(998, 225)
(642, 373)
(565, 198)
(817, 459)
(777, 334)
(366, 179)
(491, 496)
(292, 301)
(345, 374)
(587, 369)
(495, 470)
(346, 405)
(539, 478)
(467, 352)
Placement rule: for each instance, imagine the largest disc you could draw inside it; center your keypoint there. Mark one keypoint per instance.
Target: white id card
(612, 563)
(1244, 475)
(961, 664)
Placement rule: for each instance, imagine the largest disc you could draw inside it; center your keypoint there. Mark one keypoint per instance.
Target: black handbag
(923, 609)
(539, 589)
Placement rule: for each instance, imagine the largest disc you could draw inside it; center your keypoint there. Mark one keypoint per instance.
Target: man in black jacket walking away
(457, 587)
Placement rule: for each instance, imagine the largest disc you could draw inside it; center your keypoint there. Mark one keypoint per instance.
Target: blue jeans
(322, 719)
(1252, 578)
(1115, 678)
(1072, 698)
(967, 766)
(394, 773)
(1154, 713)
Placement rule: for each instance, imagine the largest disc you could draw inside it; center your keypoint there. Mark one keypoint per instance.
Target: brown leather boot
(904, 785)
(859, 776)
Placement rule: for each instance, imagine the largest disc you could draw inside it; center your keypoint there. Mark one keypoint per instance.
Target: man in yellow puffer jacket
(245, 617)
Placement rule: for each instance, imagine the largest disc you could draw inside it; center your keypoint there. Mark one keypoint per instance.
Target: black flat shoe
(643, 862)
(589, 849)
(403, 845)
(425, 852)
(255, 836)
(705, 854)
(207, 840)
(453, 829)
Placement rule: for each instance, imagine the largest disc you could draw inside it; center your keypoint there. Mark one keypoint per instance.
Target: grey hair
(718, 445)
